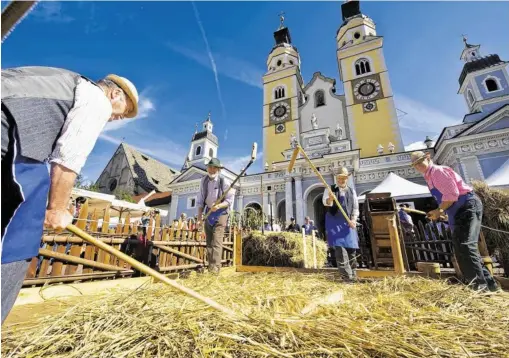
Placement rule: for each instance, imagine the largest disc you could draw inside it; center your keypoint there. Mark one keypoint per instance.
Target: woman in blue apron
(464, 216)
(341, 232)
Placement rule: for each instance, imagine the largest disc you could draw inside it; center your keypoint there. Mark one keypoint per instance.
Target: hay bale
(495, 215)
(281, 249)
(396, 317)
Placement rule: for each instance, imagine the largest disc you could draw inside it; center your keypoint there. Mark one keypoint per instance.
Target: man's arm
(447, 186)
(82, 127)
(325, 198)
(228, 199)
(355, 211)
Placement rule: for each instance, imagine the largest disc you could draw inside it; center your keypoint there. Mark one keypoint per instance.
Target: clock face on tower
(280, 112)
(366, 89)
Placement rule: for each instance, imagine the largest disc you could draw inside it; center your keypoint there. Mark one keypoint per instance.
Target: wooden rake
(151, 272)
(298, 149)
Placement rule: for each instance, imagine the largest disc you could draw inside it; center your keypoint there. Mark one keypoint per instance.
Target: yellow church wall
(275, 144)
(290, 92)
(347, 64)
(375, 128)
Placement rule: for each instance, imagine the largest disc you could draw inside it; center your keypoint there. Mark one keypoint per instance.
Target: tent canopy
(399, 188)
(100, 201)
(500, 178)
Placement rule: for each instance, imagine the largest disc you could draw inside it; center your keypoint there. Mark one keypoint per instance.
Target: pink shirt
(447, 181)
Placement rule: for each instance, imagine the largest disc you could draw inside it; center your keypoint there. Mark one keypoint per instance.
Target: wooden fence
(64, 257)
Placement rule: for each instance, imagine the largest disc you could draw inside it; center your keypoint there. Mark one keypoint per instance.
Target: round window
(279, 62)
(357, 35)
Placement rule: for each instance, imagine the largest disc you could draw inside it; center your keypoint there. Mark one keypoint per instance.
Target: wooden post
(304, 250)
(314, 248)
(485, 254)
(397, 256)
(237, 248)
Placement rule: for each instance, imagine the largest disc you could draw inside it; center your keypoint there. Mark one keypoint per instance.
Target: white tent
(399, 188)
(500, 178)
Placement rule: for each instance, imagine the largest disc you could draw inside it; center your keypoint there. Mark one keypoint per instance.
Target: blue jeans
(465, 240)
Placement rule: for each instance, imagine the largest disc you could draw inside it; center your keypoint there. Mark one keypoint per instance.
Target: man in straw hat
(464, 211)
(48, 115)
(212, 187)
(341, 232)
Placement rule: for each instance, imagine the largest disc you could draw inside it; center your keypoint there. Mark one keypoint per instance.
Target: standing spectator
(293, 227)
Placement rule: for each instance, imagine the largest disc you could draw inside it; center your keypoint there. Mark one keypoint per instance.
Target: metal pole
(271, 217)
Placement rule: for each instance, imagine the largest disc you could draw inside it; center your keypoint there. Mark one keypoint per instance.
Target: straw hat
(343, 172)
(214, 162)
(417, 157)
(129, 89)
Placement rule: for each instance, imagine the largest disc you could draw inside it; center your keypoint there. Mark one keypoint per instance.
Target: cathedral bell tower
(282, 95)
(204, 146)
(369, 99)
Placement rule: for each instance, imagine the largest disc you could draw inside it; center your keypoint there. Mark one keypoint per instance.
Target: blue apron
(339, 233)
(23, 234)
(453, 209)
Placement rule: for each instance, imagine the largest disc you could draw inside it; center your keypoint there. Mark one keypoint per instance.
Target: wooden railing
(64, 257)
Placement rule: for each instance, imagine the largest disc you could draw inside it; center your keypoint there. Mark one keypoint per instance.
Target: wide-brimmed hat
(417, 157)
(214, 162)
(129, 89)
(343, 172)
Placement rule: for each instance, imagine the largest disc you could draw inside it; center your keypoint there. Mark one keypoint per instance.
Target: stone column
(288, 199)
(299, 201)
(172, 214)
(272, 200)
(265, 203)
(240, 203)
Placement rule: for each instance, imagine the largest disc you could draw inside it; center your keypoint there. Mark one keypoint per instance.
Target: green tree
(121, 194)
(81, 183)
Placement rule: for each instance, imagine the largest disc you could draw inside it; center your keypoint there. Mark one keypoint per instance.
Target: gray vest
(348, 200)
(38, 99)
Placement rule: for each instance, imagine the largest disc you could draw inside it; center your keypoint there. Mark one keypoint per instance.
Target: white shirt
(355, 211)
(84, 123)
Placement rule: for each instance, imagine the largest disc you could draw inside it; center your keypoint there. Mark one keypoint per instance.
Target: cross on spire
(465, 38)
(281, 19)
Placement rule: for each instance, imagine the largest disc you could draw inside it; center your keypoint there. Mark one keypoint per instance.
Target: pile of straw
(495, 215)
(281, 249)
(397, 317)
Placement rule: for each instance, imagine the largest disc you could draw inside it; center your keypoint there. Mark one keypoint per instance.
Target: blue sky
(188, 58)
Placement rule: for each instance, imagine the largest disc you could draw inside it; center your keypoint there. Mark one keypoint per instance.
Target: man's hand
(434, 214)
(329, 201)
(352, 224)
(215, 208)
(57, 219)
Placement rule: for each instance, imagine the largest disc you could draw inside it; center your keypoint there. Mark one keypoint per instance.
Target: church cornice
(486, 122)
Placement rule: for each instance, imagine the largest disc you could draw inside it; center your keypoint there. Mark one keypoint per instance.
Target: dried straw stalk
(397, 317)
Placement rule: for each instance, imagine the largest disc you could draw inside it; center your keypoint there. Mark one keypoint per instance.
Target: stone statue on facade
(314, 121)
(339, 131)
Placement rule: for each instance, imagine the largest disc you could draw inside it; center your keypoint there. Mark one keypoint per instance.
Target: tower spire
(281, 20)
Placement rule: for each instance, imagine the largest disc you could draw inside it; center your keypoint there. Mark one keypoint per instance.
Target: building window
(191, 202)
(279, 92)
(113, 184)
(211, 153)
(198, 150)
(155, 181)
(319, 98)
(362, 66)
(491, 85)
(279, 63)
(357, 35)
(470, 96)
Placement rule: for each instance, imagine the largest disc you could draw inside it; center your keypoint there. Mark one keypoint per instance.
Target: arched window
(319, 98)
(362, 66)
(491, 85)
(279, 92)
(198, 150)
(211, 153)
(470, 96)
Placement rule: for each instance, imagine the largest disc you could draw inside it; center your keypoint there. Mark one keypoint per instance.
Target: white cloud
(145, 108)
(231, 67)
(51, 11)
(236, 164)
(210, 55)
(421, 117)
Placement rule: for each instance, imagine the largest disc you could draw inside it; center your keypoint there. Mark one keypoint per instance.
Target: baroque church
(358, 129)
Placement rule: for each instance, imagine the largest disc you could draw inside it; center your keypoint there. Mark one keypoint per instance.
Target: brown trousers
(215, 235)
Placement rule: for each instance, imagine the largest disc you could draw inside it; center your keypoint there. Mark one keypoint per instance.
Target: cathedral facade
(358, 129)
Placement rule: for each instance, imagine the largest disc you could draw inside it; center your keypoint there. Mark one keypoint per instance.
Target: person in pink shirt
(464, 211)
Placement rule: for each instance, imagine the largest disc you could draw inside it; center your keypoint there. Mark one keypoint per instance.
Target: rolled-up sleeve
(229, 197)
(325, 197)
(200, 199)
(355, 211)
(84, 123)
